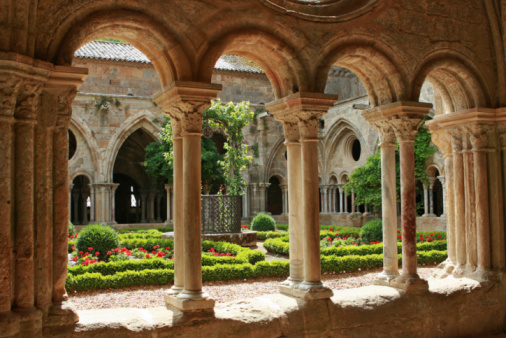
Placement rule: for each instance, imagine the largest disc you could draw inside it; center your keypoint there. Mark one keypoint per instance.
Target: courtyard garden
(103, 258)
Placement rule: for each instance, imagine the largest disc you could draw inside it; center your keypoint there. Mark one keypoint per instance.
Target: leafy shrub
(372, 231)
(72, 229)
(99, 238)
(263, 235)
(263, 222)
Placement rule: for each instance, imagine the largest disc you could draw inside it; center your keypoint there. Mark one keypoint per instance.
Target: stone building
(392, 46)
(106, 176)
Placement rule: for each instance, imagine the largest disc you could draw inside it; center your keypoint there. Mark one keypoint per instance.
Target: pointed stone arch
(78, 126)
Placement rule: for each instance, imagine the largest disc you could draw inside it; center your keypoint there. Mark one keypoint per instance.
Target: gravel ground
(152, 296)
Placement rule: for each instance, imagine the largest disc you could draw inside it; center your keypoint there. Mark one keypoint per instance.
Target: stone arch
(276, 58)
(279, 176)
(78, 126)
(144, 121)
(271, 160)
(343, 177)
(455, 78)
(374, 64)
(152, 37)
(434, 168)
(81, 172)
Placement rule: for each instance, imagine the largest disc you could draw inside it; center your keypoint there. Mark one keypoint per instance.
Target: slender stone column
(470, 205)
(353, 206)
(443, 185)
(151, 206)
(325, 204)
(388, 196)
(185, 102)
(158, 207)
(9, 85)
(284, 190)
(425, 200)
(168, 188)
(84, 197)
(458, 186)
(341, 199)
(432, 180)
(114, 186)
(479, 140)
(245, 197)
(92, 203)
(144, 199)
(295, 228)
(263, 196)
(304, 110)
(345, 198)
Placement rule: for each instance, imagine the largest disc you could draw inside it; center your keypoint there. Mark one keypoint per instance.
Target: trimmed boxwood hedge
(281, 246)
(95, 280)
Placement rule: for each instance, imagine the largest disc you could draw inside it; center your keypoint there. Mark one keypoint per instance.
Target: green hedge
(146, 243)
(95, 280)
(281, 246)
(263, 235)
(135, 230)
(112, 268)
(246, 254)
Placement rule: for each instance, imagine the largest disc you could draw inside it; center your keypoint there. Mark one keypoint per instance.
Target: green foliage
(365, 181)
(372, 231)
(263, 235)
(263, 222)
(101, 238)
(72, 229)
(146, 243)
(256, 153)
(103, 103)
(111, 268)
(245, 254)
(231, 118)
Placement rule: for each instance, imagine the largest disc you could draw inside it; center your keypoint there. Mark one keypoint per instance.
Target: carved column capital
(308, 124)
(443, 141)
(188, 116)
(457, 138)
(291, 129)
(406, 127)
(27, 99)
(385, 132)
(9, 87)
(477, 134)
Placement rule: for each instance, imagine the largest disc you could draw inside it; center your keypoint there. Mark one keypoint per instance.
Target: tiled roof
(124, 52)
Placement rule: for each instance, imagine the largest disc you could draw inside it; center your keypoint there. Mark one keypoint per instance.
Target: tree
(365, 181)
(231, 119)
(160, 158)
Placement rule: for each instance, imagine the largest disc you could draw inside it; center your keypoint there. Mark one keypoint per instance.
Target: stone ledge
(388, 312)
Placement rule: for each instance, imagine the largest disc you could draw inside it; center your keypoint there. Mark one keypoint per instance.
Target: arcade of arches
(393, 47)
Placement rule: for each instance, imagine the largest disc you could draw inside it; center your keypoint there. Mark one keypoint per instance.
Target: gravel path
(152, 296)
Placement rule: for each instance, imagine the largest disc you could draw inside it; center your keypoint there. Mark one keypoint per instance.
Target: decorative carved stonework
(457, 138)
(443, 141)
(189, 114)
(291, 129)
(65, 97)
(478, 135)
(502, 134)
(27, 99)
(308, 124)
(385, 132)
(9, 85)
(176, 125)
(406, 127)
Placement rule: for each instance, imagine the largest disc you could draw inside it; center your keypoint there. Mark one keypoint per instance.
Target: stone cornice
(301, 102)
(179, 91)
(467, 117)
(66, 76)
(392, 110)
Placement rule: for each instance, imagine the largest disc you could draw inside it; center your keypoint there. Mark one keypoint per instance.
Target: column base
(30, 322)
(175, 290)
(189, 302)
(409, 283)
(384, 278)
(9, 324)
(286, 287)
(307, 291)
(61, 315)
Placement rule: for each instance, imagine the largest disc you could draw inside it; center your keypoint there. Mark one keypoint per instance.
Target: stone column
(92, 203)
(151, 206)
(388, 196)
(245, 202)
(84, 197)
(479, 141)
(353, 206)
(341, 199)
(254, 197)
(168, 188)
(406, 127)
(144, 200)
(345, 198)
(458, 189)
(186, 101)
(113, 188)
(470, 204)
(263, 196)
(284, 190)
(325, 204)
(296, 230)
(425, 200)
(432, 180)
(306, 109)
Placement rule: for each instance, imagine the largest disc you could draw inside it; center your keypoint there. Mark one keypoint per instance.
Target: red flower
(331, 229)
(75, 258)
(398, 231)
(222, 254)
(109, 253)
(90, 249)
(147, 256)
(153, 252)
(71, 237)
(438, 235)
(97, 253)
(167, 248)
(128, 230)
(73, 248)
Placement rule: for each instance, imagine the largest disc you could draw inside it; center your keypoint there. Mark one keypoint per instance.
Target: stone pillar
(353, 206)
(325, 204)
(284, 190)
(245, 202)
(254, 197)
(296, 230)
(458, 189)
(479, 141)
(114, 186)
(144, 200)
(345, 202)
(341, 199)
(92, 203)
(388, 195)
(168, 188)
(186, 101)
(432, 180)
(84, 197)
(306, 109)
(425, 200)
(262, 188)
(151, 207)
(470, 203)
(405, 126)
